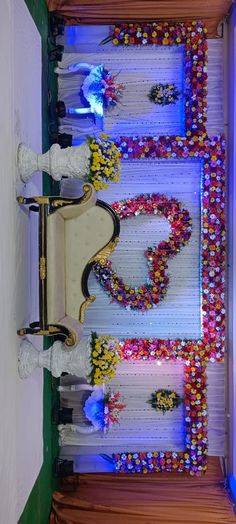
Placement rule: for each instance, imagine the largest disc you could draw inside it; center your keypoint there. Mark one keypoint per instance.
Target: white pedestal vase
(73, 162)
(56, 359)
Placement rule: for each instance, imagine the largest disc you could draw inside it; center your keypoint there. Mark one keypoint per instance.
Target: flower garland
(163, 94)
(211, 153)
(149, 295)
(194, 458)
(165, 400)
(193, 36)
(104, 162)
(105, 355)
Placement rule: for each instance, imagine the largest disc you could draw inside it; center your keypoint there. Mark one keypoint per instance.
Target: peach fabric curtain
(162, 499)
(108, 11)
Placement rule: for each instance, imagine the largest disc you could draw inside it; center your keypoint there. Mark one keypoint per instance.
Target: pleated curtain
(108, 12)
(135, 499)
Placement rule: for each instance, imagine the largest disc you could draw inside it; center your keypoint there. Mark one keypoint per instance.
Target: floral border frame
(211, 153)
(193, 35)
(194, 458)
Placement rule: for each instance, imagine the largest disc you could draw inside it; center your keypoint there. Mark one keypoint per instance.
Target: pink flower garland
(148, 296)
(211, 153)
(193, 35)
(194, 458)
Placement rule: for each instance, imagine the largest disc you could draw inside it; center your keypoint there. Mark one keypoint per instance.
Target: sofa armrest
(76, 209)
(76, 330)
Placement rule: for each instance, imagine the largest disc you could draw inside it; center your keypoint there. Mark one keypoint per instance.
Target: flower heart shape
(149, 295)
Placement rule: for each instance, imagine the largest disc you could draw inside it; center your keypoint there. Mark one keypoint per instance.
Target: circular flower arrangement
(165, 400)
(164, 94)
(150, 294)
(104, 162)
(105, 355)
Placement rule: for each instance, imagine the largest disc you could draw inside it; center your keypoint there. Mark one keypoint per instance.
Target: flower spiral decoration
(151, 293)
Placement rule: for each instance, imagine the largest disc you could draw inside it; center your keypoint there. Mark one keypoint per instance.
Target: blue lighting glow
(70, 34)
(232, 485)
(79, 110)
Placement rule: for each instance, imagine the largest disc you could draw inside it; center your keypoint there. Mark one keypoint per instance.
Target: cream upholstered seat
(73, 235)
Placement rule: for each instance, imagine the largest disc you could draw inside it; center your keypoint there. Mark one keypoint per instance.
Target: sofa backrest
(85, 236)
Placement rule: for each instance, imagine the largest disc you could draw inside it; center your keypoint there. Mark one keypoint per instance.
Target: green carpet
(37, 509)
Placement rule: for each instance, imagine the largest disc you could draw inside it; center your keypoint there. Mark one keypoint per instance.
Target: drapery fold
(107, 12)
(135, 499)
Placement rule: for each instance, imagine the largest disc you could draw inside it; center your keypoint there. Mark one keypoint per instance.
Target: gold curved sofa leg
(50, 331)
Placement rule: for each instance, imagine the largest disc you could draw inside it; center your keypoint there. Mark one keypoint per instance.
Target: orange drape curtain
(136, 499)
(110, 11)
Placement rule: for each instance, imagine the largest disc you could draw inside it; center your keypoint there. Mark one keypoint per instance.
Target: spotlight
(63, 468)
(64, 140)
(56, 52)
(57, 24)
(60, 109)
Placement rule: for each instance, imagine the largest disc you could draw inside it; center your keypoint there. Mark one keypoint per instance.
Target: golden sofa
(73, 235)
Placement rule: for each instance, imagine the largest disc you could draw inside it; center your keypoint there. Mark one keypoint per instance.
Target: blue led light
(232, 485)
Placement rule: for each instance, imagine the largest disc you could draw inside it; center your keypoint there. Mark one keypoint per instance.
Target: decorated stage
(146, 315)
(162, 292)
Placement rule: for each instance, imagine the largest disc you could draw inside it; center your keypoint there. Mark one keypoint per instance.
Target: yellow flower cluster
(165, 400)
(105, 356)
(165, 403)
(104, 162)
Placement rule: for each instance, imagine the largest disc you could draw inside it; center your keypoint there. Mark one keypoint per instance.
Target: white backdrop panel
(139, 69)
(76, 40)
(140, 426)
(147, 430)
(178, 315)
